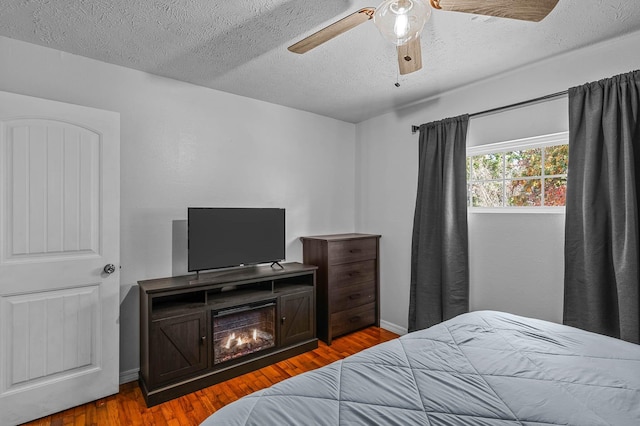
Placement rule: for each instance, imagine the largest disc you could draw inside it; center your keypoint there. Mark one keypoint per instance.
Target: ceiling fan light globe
(400, 21)
(401, 7)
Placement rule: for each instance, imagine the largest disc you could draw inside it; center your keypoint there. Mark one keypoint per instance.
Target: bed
(481, 368)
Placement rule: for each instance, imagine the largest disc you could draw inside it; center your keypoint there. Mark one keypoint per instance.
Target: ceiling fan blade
(410, 56)
(526, 10)
(333, 30)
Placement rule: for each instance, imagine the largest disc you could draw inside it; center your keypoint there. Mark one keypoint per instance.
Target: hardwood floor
(128, 406)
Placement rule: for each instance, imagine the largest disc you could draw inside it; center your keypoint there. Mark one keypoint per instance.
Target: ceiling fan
(402, 21)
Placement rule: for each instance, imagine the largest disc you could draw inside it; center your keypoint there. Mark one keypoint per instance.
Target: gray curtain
(602, 243)
(440, 254)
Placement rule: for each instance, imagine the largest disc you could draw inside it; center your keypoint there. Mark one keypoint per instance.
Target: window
(522, 175)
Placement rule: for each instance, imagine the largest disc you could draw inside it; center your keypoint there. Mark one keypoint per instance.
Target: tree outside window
(525, 173)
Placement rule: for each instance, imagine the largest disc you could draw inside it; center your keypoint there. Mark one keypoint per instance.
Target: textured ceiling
(240, 46)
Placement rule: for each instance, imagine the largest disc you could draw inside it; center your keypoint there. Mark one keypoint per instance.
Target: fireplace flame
(236, 341)
(231, 339)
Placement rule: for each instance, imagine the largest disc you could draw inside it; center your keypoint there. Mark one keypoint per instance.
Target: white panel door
(59, 227)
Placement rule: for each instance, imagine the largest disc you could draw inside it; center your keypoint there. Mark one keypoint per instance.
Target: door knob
(109, 268)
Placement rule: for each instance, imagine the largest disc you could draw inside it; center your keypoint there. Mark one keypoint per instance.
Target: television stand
(277, 263)
(183, 343)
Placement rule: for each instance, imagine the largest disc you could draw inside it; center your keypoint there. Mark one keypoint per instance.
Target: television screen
(225, 237)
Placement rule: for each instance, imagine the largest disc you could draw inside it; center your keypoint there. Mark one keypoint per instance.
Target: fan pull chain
(397, 84)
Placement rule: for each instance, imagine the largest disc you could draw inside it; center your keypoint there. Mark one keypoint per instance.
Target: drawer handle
(355, 250)
(354, 296)
(354, 319)
(353, 274)
(203, 339)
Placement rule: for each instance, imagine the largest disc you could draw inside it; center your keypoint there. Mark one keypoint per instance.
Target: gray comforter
(481, 368)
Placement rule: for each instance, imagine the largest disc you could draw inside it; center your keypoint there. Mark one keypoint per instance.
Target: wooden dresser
(348, 282)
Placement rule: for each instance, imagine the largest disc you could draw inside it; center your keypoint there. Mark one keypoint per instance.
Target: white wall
(386, 173)
(184, 145)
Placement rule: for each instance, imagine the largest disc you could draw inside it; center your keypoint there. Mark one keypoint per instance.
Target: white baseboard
(394, 328)
(129, 376)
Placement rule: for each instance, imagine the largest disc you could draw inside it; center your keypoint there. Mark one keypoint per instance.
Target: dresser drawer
(348, 274)
(353, 319)
(352, 250)
(352, 296)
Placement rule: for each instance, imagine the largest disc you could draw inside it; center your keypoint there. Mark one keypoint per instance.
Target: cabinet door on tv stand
(178, 347)
(297, 317)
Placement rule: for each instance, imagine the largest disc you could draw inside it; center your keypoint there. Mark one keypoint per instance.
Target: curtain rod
(415, 128)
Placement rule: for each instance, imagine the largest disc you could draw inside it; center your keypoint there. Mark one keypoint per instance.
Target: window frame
(560, 138)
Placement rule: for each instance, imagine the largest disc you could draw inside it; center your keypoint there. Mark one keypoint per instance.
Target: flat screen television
(228, 237)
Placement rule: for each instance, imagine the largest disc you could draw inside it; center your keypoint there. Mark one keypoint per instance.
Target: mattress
(481, 368)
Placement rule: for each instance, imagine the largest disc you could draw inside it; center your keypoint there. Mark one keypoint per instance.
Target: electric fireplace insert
(243, 330)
